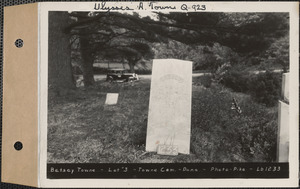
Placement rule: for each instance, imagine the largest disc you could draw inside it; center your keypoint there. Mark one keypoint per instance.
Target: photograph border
(291, 7)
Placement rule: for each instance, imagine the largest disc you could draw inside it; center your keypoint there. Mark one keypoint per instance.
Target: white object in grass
(111, 98)
(283, 133)
(283, 120)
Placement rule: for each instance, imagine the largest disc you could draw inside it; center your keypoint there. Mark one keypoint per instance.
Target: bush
(236, 80)
(265, 88)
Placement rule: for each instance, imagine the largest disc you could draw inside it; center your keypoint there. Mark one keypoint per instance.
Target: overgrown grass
(82, 129)
(220, 134)
(263, 87)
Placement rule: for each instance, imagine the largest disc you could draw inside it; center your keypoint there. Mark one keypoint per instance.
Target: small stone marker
(111, 98)
(169, 117)
(283, 122)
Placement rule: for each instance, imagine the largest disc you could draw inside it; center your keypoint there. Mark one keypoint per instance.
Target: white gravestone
(169, 117)
(111, 98)
(283, 132)
(285, 86)
(283, 121)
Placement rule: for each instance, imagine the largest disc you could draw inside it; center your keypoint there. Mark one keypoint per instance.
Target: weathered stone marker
(169, 117)
(283, 132)
(111, 98)
(285, 86)
(283, 122)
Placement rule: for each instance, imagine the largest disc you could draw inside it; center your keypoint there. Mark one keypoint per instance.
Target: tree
(128, 51)
(278, 53)
(86, 57)
(109, 37)
(59, 61)
(244, 33)
(135, 52)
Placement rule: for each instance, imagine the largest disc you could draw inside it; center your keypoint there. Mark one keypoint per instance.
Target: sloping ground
(82, 129)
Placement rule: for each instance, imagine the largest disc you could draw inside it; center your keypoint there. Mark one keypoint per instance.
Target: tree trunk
(131, 64)
(88, 73)
(60, 76)
(87, 60)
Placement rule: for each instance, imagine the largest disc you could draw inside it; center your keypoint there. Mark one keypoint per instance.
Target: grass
(81, 129)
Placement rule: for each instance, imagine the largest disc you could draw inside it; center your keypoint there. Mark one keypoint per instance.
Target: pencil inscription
(103, 6)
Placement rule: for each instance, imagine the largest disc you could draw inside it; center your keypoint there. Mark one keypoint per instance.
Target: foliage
(242, 32)
(216, 56)
(174, 49)
(203, 57)
(265, 88)
(278, 53)
(237, 80)
(113, 36)
(210, 40)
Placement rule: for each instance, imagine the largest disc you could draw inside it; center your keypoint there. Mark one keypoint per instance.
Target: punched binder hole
(19, 43)
(18, 145)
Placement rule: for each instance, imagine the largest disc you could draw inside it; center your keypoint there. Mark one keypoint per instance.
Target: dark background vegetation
(216, 42)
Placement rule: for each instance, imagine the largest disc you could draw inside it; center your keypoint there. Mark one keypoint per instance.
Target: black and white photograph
(129, 94)
(190, 93)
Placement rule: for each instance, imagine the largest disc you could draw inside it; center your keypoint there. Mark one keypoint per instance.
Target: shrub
(236, 80)
(265, 88)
